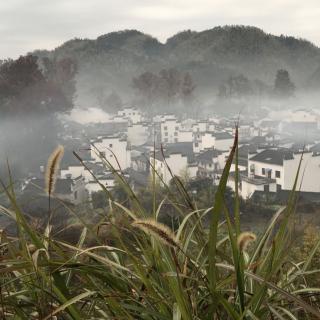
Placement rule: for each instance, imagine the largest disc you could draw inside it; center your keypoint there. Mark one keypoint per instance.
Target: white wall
(73, 171)
(185, 136)
(132, 114)
(169, 130)
(176, 162)
(138, 134)
(258, 170)
(119, 148)
(309, 173)
(223, 144)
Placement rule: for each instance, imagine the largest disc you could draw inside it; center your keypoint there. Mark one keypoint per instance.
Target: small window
(176, 133)
(266, 188)
(263, 171)
(102, 154)
(196, 144)
(111, 155)
(110, 145)
(177, 128)
(278, 187)
(175, 139)
(166, 140)
(165, 128)
(166, 134)
(75, 195)
(278, 174)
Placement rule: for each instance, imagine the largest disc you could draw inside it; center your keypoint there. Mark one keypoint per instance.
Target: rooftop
(272, 156)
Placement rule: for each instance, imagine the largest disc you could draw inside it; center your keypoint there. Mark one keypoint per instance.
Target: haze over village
(159, 160)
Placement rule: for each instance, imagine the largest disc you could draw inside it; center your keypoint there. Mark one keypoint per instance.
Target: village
(133, 145)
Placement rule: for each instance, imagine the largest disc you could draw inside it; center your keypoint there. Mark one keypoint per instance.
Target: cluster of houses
(131, 144)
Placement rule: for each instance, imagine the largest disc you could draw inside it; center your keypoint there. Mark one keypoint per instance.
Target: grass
(147, 271)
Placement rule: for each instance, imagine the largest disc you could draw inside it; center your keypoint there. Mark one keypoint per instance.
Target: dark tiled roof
(185, 148)
(272, 156)
(208, 155)
(222, 135)
(245, 149)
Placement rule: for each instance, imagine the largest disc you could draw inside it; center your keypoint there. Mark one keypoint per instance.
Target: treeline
(239, 86)
(29, 85)
(167, 88)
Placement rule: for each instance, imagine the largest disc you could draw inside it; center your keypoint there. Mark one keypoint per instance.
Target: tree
(237, 86)
(170, 84)
(146, 86)
(25, 88)
(187, 90)
(283, 87)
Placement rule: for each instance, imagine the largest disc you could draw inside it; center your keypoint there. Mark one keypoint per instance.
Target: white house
(177, 162)
(274, 170)
(209, 162)
(115, 149)
(209, 140)
(133, 115)
(169, 129)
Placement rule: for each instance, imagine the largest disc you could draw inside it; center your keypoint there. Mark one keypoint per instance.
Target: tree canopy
(30, 86)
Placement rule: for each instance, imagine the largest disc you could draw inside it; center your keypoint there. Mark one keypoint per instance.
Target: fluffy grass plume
(52, 169)
(244, 239)
(158, 230)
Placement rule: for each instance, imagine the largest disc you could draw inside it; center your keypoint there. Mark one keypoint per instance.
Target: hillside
(109, 62)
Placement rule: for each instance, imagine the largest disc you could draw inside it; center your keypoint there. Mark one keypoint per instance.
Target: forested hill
(110, 62)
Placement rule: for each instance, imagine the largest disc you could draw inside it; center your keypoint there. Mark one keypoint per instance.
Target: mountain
(109, 62)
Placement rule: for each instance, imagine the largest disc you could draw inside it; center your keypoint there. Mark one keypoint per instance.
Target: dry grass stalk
(52, 169)
(159, 230)
(244, 239)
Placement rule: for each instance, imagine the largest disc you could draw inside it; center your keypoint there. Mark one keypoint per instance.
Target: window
(266, 188)
(278, 187)
(102, 154)
(278, 174)
(165, 128)
(166, 140)
(110, 145)
(177, 128)
(75, 195)
(175, 139)
(196, 144)
(166, 134)
(176, 133)
(110, 155)
(263, 171)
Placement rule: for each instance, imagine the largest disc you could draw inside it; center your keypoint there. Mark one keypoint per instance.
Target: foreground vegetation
(131, 266)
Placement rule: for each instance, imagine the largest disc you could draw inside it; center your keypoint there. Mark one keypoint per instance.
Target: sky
(26, 25)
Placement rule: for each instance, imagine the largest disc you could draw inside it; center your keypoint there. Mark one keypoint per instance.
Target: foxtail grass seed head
(52, 169)
(244, 239)
(158, 230)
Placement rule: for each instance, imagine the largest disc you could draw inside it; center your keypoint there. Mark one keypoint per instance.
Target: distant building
(273, 170)
(115, 149)
(169, 129)
(133, 115)
(67, 189)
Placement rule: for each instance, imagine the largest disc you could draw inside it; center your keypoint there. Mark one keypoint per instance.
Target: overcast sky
(26, 25)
